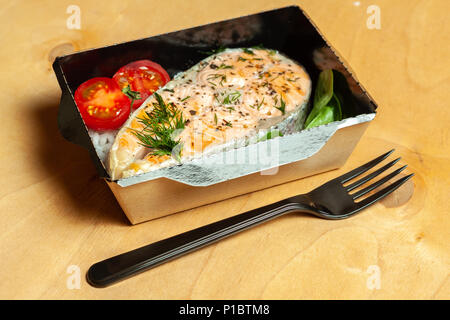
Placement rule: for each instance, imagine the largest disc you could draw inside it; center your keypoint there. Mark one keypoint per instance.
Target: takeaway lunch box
(199, 182)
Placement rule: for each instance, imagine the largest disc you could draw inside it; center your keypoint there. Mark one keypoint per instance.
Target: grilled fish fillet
(224, 99)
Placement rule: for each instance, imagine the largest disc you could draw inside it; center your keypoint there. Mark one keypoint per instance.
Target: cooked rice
(102, 141)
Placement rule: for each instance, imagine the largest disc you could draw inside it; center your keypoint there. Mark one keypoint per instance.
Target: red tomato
(144, 76)
(102, 104)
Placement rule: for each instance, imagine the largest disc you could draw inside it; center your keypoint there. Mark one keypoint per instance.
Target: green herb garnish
(282, 106)
(241, 59)
(325, 115)
(329, 113)
(224, 66)
(160, 126)
(327, 104)
(215, 118)
(133, 95)
(324, 92)
(214, 51)
(228, 124)
(258, 105)
(248, 51)
(184, 99)
(231, 97)
(216, 76)
(169, 90)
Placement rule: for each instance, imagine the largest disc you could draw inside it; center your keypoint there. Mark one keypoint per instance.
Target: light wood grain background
(55, 212)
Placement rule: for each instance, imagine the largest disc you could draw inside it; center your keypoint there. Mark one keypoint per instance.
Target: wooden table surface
(56, 212)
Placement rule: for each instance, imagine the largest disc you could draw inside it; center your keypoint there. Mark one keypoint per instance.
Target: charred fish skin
(227, 100)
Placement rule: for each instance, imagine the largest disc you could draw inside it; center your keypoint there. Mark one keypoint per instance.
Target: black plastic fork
(332, 200)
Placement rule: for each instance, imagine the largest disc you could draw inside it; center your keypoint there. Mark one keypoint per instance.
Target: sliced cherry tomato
(144, 76)
(102, 104)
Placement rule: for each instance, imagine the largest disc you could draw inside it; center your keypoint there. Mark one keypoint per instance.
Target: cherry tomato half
(144, 76)
(102, 104)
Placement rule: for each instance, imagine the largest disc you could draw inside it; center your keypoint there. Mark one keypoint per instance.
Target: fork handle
(122, 266)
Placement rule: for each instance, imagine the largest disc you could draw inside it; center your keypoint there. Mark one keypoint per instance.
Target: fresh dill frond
(259, 105)
(231, 97)
(248, 51)
(214, 77)
(282, 106)
(159, 126)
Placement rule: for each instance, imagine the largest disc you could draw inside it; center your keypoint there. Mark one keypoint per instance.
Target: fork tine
(362, 192)
(360, 170)
(371, 176)
(382, 193)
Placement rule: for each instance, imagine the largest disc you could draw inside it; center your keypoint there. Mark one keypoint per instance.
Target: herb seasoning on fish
(159, 125)
(226, 98)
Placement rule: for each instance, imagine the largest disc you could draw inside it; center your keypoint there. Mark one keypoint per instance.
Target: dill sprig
(214, 77)
(258, 105)
(159, 126)
(282, 106)
(231, 97)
